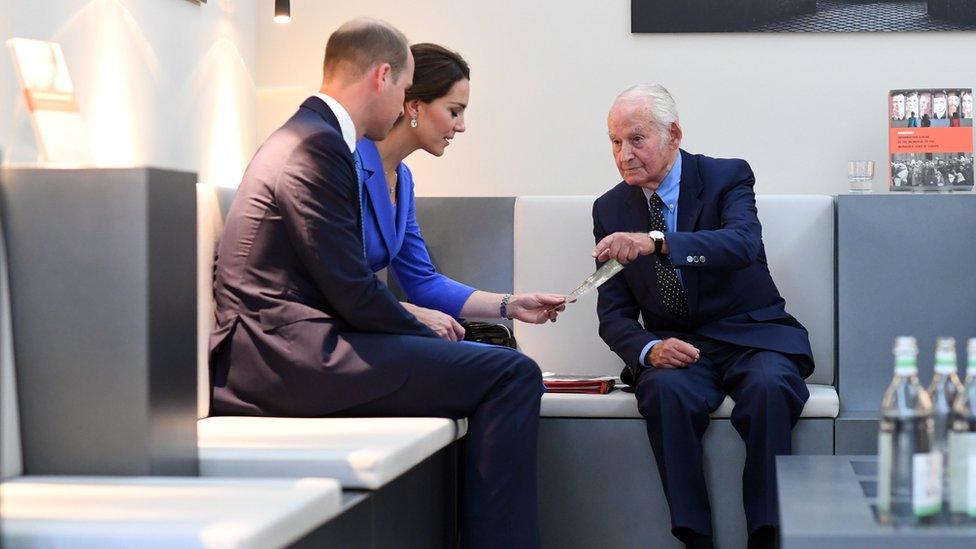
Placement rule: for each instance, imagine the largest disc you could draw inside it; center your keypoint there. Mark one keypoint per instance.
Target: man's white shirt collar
(345, 121)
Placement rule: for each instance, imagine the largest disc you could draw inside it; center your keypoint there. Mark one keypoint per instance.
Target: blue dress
(393, 237)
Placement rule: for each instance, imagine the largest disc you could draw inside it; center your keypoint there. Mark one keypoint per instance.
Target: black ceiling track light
(282, 11)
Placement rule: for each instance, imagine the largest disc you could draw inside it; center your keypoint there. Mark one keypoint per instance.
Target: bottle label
(927, 484)
(884, 472)
(945, 364)
(906, 365)
(961, 448)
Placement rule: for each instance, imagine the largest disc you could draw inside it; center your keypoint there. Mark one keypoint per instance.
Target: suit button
(691, 259)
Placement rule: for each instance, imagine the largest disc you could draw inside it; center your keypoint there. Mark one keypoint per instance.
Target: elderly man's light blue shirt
(668, 190)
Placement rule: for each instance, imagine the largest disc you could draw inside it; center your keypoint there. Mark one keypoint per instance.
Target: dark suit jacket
(718, 248)
(291, 277)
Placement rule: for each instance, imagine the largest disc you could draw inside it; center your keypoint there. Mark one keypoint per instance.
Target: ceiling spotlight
(282, 11)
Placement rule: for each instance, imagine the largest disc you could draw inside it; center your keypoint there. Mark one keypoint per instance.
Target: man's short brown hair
(359, 44)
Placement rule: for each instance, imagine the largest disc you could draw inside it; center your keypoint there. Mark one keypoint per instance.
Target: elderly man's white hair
(661, 109)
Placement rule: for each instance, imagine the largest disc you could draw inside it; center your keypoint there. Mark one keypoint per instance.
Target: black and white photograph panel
(671, 16)
(931, 171)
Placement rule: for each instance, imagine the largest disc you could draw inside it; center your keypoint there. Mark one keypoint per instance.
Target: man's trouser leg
(498, 390)
(769, 395)
(676, 404)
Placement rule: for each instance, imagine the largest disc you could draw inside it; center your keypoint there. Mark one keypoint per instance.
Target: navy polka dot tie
(672, 293)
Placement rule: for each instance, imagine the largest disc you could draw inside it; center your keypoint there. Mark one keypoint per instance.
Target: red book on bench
(578, 384)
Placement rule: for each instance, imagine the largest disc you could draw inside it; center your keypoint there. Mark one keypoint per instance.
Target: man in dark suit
(713, 321)
(304, 327)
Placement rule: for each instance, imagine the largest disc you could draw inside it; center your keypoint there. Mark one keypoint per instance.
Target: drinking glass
(860, 173)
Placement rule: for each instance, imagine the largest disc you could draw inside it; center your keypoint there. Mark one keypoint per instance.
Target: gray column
(103, 291)
(905, 266)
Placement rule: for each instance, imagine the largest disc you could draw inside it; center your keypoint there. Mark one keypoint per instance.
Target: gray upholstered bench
(599, 484)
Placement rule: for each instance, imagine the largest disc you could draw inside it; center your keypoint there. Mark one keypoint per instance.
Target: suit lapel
(636, 213)
(379, 195)
(689, 196)
(637, 218)
(689, 208)
(404, 204)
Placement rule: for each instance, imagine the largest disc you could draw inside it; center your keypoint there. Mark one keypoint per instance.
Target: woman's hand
(536, 308)
(441, 324)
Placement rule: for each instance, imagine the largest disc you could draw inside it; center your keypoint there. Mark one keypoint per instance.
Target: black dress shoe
(693, 540)
(763, 538)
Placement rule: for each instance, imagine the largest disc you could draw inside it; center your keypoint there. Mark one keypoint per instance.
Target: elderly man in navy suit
(305, 328)
(713, 321)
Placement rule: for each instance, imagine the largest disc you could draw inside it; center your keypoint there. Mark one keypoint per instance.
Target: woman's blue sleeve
(422, 283)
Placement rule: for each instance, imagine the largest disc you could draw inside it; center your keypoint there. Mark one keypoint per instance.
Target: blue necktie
(359, 187)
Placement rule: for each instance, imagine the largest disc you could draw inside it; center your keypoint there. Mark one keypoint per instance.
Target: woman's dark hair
(436, 69)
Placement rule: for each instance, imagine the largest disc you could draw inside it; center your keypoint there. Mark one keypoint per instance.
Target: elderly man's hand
(624, 247)
(672, 353)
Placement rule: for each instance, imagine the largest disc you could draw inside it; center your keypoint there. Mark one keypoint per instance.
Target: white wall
(544, 72)
(160, 82)
(173, 84)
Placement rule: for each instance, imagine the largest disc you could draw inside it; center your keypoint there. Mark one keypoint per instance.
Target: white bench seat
(823, 403)
(163, 512)
(361, 453)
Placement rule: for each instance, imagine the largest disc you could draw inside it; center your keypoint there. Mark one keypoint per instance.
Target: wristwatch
(658, 238)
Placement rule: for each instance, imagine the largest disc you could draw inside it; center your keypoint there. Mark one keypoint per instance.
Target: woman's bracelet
(503, 309)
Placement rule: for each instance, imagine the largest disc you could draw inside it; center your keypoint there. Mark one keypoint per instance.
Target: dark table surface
(827, 502)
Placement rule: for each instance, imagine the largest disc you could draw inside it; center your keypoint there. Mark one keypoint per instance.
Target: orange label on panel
(50, 101)
(922, 140)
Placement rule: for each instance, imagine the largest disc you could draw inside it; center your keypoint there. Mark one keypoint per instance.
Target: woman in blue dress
(433, 114)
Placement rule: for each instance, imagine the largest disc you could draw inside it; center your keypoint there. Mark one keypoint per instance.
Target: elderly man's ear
(675, 135)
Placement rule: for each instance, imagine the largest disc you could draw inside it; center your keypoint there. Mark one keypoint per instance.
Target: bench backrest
(210, 222)
(554, 238)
